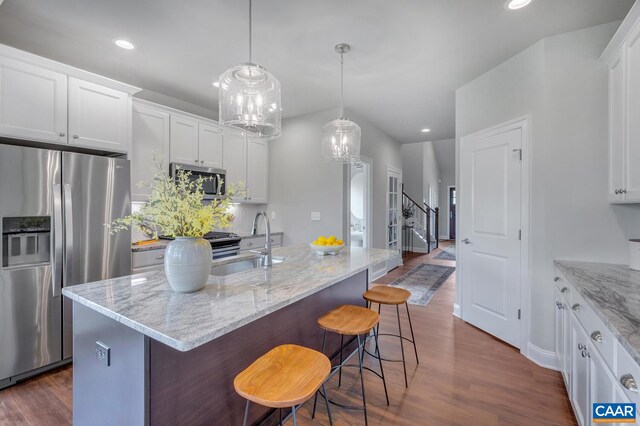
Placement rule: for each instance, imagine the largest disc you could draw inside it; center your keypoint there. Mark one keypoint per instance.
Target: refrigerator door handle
(56, 240)
(68, 233)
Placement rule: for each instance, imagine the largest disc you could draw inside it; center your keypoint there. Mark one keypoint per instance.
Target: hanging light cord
(341, 85)
(250, 7)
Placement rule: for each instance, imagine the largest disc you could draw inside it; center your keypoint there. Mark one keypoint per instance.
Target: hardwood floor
(465, 377)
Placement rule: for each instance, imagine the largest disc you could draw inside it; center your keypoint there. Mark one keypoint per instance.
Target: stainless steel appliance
(223, 244)
(53, 207)
(214, 185)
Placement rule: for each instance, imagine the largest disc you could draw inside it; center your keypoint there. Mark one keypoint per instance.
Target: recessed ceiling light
(124, 44)
(425, 130)
(216, 83)
(517, 4)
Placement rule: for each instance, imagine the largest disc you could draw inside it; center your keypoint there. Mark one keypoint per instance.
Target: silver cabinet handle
(629, 383)
(624, 191)
(559, 305)
(584, 353)
(577, 307)
(581, 346)
(68, 236)
(56, 240)
(556, 279)
(61, 134)
(564, 290)
(201, 161)
(617, 191)
(249, 244)
(195, 161)
(466, 241)
(596, 336)
(76, 136)
(160, 256)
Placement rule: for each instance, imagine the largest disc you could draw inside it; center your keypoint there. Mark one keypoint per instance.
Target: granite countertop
(146, 303)
(244, 236)
(613, 292)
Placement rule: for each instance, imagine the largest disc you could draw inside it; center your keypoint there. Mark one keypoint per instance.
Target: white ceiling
(407, 58)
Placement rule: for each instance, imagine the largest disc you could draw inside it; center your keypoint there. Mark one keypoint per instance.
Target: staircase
(422, 221)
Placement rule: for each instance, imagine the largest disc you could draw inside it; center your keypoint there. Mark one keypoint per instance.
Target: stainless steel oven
(214, 184)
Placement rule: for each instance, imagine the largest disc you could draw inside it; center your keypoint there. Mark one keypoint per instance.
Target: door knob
(466, 241)
(76, 136)
(61, 134)
(576, 307)
(559, 305)
(564, 290)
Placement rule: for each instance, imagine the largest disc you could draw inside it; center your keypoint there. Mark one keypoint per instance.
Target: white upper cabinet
(184, 140)
(209, 145)
(33, 102)
(616, 130)
(234, 160)
(99, 116)
(257, 171)
(622, 57)
(150, 129)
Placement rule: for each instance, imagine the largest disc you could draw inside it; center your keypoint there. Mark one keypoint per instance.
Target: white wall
(302, 182)
(431, 175)
(413, 170)
(559, 82)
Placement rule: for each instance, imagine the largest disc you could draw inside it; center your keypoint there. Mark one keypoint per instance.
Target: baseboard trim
(542, 357)
(456, 310)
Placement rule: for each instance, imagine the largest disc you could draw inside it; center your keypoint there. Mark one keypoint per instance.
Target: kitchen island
(146, 355)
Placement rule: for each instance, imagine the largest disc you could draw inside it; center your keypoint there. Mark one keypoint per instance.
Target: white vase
(187, 264)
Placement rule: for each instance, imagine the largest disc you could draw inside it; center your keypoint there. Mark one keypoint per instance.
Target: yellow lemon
(340, 242)
(332, 239)
(321, 238)
(335, 243)
(321, 243)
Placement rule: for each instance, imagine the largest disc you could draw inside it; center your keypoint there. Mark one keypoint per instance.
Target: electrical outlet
(103, 353)
(273, 214)
(315, 215)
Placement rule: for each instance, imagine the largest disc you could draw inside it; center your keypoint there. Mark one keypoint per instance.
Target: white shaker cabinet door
(632, 154)
(184, 140)
(257, 171)
(234, 160)
(150, 138)
(210, 146)
(616, 131)
(33, 102)
(99, 117)
(579, 372)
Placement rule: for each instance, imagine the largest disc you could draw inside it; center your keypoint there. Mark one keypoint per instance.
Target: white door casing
(490, 210)
(394, 217)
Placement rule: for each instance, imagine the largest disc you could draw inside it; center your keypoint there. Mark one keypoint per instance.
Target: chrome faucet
(266, 252)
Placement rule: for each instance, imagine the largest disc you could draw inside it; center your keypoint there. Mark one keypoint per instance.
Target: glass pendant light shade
(249, 100)
(341, 140)
(341, 137)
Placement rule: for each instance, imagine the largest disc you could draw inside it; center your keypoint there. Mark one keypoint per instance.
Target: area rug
(448, 253)
(423, 282)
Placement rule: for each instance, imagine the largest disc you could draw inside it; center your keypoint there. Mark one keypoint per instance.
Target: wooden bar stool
(284, 377)
(349, 320)
(387, 295)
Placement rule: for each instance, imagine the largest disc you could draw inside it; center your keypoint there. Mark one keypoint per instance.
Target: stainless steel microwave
(215, 184)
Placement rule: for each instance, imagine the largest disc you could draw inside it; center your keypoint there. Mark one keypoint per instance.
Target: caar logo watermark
(614, 413)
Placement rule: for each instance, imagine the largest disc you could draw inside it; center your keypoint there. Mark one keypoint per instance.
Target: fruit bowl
(324, 250)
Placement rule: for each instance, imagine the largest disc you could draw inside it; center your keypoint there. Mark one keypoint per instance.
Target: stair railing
(435, 212)
(421, 218)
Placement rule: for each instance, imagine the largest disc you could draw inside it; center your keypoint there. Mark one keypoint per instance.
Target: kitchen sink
(241, 265)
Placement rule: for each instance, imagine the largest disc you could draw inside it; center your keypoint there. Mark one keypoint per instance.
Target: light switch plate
(315, 215)
(103, 353)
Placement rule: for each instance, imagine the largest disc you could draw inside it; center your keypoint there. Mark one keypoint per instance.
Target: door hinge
(520, 234)
(519, 151)
(519, 314)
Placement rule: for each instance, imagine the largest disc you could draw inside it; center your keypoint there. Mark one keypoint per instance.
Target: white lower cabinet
(596, 368)
(579, 393)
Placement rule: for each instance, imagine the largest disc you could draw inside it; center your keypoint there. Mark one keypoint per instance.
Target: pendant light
(249, 99)
(341, 137)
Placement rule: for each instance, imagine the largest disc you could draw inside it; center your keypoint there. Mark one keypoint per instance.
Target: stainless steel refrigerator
(53, 207)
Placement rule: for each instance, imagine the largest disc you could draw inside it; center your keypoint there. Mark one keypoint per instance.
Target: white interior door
(394, 194)
(490, 218)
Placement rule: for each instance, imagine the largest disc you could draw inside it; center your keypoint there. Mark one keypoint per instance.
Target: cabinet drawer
(601, 338)
(253, 243)
(627, 366)
(143, 259)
